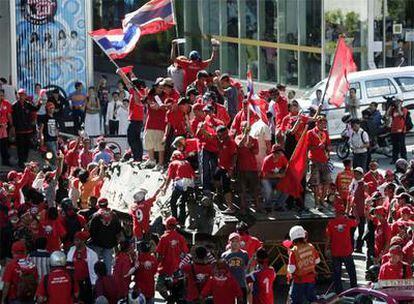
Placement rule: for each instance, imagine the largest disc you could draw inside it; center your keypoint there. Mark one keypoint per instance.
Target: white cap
(140, 195)
(297, 232)
(359, 169)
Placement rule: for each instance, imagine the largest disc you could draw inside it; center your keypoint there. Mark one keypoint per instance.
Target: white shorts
(153, 140)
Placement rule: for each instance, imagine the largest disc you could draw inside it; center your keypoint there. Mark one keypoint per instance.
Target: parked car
(370, 86)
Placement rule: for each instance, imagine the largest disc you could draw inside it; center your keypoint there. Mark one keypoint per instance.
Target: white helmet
(140, 195)
(297, 232)
(136, 298)
(57, 259)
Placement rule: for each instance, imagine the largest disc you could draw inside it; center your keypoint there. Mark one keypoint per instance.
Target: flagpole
(330, 70)
(112, 60)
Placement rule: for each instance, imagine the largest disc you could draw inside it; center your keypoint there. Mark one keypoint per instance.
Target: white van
(370, 86)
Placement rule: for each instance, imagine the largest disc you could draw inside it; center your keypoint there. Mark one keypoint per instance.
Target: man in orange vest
(303, 259)
(344, 179)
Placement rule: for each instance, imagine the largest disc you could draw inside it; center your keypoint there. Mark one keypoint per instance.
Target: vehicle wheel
(342, 150)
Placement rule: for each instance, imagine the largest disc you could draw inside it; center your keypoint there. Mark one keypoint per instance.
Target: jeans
(23, 144)
(106, 255)
(360, 160)
(208, 165)
(4, 150)
(175, 196)
(398, 146)
(271, 195)
(301, 291)
(135, 140)
(337, 272)
(52, 146)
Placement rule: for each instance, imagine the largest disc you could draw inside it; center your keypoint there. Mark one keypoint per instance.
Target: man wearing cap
(22, 112)
(319, 148)
(382, 232)
(168, 88)
(83, 260)
(199, 116)
(49, 129)
(62, 106)
(273, 169)
(140, 212)
(395, 268)
(155, 125)
(238, 261)
(192, 65)
(339, 246)
(373, 178)
(230, 94)
(219, 111)
(6, 121)
(171, 247)
(226, 165)
(359, 142)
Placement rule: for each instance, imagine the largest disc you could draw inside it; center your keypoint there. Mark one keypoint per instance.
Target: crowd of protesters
(62, 243)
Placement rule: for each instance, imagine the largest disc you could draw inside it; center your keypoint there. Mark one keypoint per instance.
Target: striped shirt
(188, 259)
(41, 259)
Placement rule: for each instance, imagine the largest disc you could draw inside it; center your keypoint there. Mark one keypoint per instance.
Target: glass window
(251, 60)
(288, 67)
(406, 83)
(210, 11)
(268, 64)
(288, 21)
(310, 69)
(251, 19)
(232, 19)
(268, 15)
(310, 30)
(230, 58)
(379, 87)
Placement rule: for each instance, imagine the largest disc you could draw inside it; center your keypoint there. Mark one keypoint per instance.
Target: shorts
(222, 176)
(248, 181)
(320, 174)
(153, 140)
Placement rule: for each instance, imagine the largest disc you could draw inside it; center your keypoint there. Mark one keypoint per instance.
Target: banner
(51, 43)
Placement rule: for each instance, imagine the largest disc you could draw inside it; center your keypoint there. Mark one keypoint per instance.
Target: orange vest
(305, 259)
(343, 180)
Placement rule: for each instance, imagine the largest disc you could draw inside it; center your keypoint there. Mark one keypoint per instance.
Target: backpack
(27, 282)
(408, 122)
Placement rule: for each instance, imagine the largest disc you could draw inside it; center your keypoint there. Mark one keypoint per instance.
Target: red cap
(170, 221)
(287, 244)
(177, 155)
(21, 91)
(82, 235)
(18, 247)
(396, 240)
(234, 235)
(102, 202)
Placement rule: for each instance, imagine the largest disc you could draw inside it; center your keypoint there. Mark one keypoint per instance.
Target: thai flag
(256, 104)
(250, 88)
(117, 43)
(155, 16)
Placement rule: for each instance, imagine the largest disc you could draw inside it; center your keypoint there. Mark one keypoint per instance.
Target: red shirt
(239, 118)
(208, 135)
(343, 181)
(290, 120)
(59, 287)
(373, 180)
(5, 110)
(224, 289)
(408, 251)
(144, 275)
(382, 237)
(191, 69)
(155, 117)
(140, 217)
(53, 231)
(389, 271)
(196, 274)
(85, 158)
(227, 151)
(195, 122)
(270, 164)
(339, 232)
(170, 247)
(176, 119)
(250, 244)
(398, 122)
(122, 265)
(174, 95)
(80, 265)
(222, 114)
(136, 110)
(246, 157)
(11, 275)
(107, 286)
(178, 169)
(281, 109)
(316, 138)
(263, 285)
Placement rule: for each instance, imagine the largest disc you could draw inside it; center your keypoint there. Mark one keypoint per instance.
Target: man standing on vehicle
(352, 103)
(398, 115)
(359, 142)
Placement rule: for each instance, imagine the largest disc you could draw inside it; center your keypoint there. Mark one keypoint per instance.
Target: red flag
(343, 64)
(260, 107)
(291, 183)
(127, 69)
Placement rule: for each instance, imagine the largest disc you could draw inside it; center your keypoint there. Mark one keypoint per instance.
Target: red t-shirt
(239, 118)
(316, 138)
(262, 285)
(140, 217)
(222, 114)
(174, 95)
(373, 180)
(223, 289)
(250, 244)
(155, 117)
(227, 151)
(12, 273)
(122, 265)
(281, 109)
(408, 251)
(170, 247)
(144, 275)
(53, 231)
(80, 265)
(178, 169)
(209, 141)
(246, 157)
(382, 237)
(270, 164)
(290, 120)
(398, 122)
(59, 287)
(194, 124)
(191, 69)
(196, 274)
(176, 119)
(5, 110)
(85, 158)
(136, 111)
(339, 232)
(389, 271)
